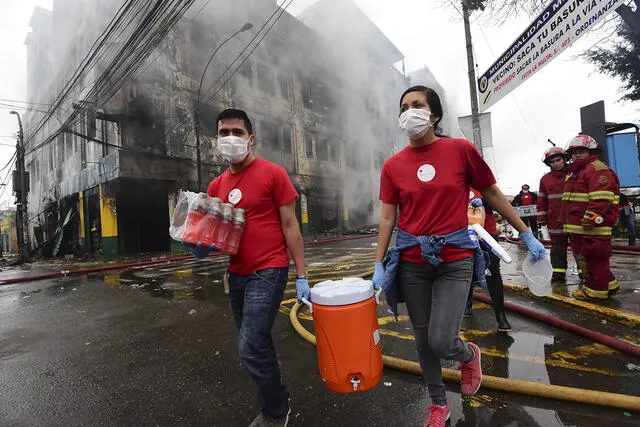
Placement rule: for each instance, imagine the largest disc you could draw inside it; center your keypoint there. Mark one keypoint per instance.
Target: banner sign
(555, 29)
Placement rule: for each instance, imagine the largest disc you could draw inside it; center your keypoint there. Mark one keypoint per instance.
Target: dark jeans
(255, 300)
(435, 297)
(628, 219)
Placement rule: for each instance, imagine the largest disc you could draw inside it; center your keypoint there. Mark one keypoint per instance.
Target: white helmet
(582, 141)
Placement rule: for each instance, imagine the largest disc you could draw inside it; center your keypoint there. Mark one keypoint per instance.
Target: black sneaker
(503, 323)
(467, 311)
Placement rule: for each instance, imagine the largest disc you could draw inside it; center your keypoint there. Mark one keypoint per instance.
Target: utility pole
(22, 218)
(467, 7)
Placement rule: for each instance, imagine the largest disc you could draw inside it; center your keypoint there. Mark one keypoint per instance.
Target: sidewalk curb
(619, 316)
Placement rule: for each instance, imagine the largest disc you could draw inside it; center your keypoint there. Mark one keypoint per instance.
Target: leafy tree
(622, 60)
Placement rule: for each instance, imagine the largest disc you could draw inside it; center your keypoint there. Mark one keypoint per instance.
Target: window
(322, 149)
(352, 158)
(308, 139)
(286, 139)
(270, 135)
(266, 79)
(283, 81)
(315, 95)
(335, 148)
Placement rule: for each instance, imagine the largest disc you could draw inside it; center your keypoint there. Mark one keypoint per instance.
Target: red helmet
(582, 141)
(553, 152)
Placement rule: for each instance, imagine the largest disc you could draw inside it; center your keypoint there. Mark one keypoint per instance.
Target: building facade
(8, 234)
(323, 105)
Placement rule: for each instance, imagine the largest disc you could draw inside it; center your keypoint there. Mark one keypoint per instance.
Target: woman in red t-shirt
(425, 188)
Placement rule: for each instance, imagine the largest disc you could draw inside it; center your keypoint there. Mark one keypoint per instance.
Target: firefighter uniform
(549, 212)
(589, 212)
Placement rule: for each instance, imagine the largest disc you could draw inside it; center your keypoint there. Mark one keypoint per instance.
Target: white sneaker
(264, 421)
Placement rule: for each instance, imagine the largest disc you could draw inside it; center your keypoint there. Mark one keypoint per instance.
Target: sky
(545, 106)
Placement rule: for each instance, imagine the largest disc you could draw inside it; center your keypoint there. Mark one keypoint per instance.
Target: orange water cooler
(347, 334)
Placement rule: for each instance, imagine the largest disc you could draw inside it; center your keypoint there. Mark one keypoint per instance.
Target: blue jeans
(255, 300)
(628, 219)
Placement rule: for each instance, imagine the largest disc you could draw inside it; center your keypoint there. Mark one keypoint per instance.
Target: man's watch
(304, 276)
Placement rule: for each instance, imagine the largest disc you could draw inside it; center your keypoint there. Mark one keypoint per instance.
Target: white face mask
(415, 122)
(233, 148)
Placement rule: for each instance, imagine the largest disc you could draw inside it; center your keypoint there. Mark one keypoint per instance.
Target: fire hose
(530, 388)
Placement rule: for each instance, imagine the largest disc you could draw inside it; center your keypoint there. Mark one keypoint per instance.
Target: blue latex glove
(378, 275)
(198, 250)
(303, 290)
(477, 202)
(535, 247)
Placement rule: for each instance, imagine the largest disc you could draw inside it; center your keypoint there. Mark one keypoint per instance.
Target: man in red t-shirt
(528, 198)
(258, 272)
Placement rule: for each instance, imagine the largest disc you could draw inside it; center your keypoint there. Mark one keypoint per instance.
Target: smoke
(324, 85)
(324, 80)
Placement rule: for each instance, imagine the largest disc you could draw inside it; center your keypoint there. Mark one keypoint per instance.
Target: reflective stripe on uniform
(559, 270)
(555, 196)
(542, 213)
(595, 231)
(556, 231)
(602, 195)
(575, 197)
(613, 285)
(595, 294)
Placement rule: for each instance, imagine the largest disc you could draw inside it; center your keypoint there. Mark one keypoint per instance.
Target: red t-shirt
(527, 199)
(260, 189)
(490, 223)
(431, 187)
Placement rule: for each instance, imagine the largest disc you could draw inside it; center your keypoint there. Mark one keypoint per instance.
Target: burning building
(128, 127)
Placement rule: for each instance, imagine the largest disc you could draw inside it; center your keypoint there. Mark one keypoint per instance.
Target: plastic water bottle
(476, 215)
(224, 227)
(214, 216)
(194, 224)
(233, 238)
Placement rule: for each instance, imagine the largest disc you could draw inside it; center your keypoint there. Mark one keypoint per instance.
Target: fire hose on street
(570, 394)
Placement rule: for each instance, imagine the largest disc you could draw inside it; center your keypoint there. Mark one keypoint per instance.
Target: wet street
(156, 346)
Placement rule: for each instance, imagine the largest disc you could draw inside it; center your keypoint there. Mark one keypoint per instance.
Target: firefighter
(589, 212)
(549, 206)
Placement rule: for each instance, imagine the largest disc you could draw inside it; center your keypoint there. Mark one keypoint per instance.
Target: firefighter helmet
(583, 141)
(553, 152)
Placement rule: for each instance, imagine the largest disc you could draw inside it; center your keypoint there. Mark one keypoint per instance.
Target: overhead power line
(144, 38)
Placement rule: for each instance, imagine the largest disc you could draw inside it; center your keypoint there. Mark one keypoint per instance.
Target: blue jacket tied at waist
(430, 248)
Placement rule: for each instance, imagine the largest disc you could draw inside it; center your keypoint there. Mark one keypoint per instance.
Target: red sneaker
(471, 373)
(438, 416)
